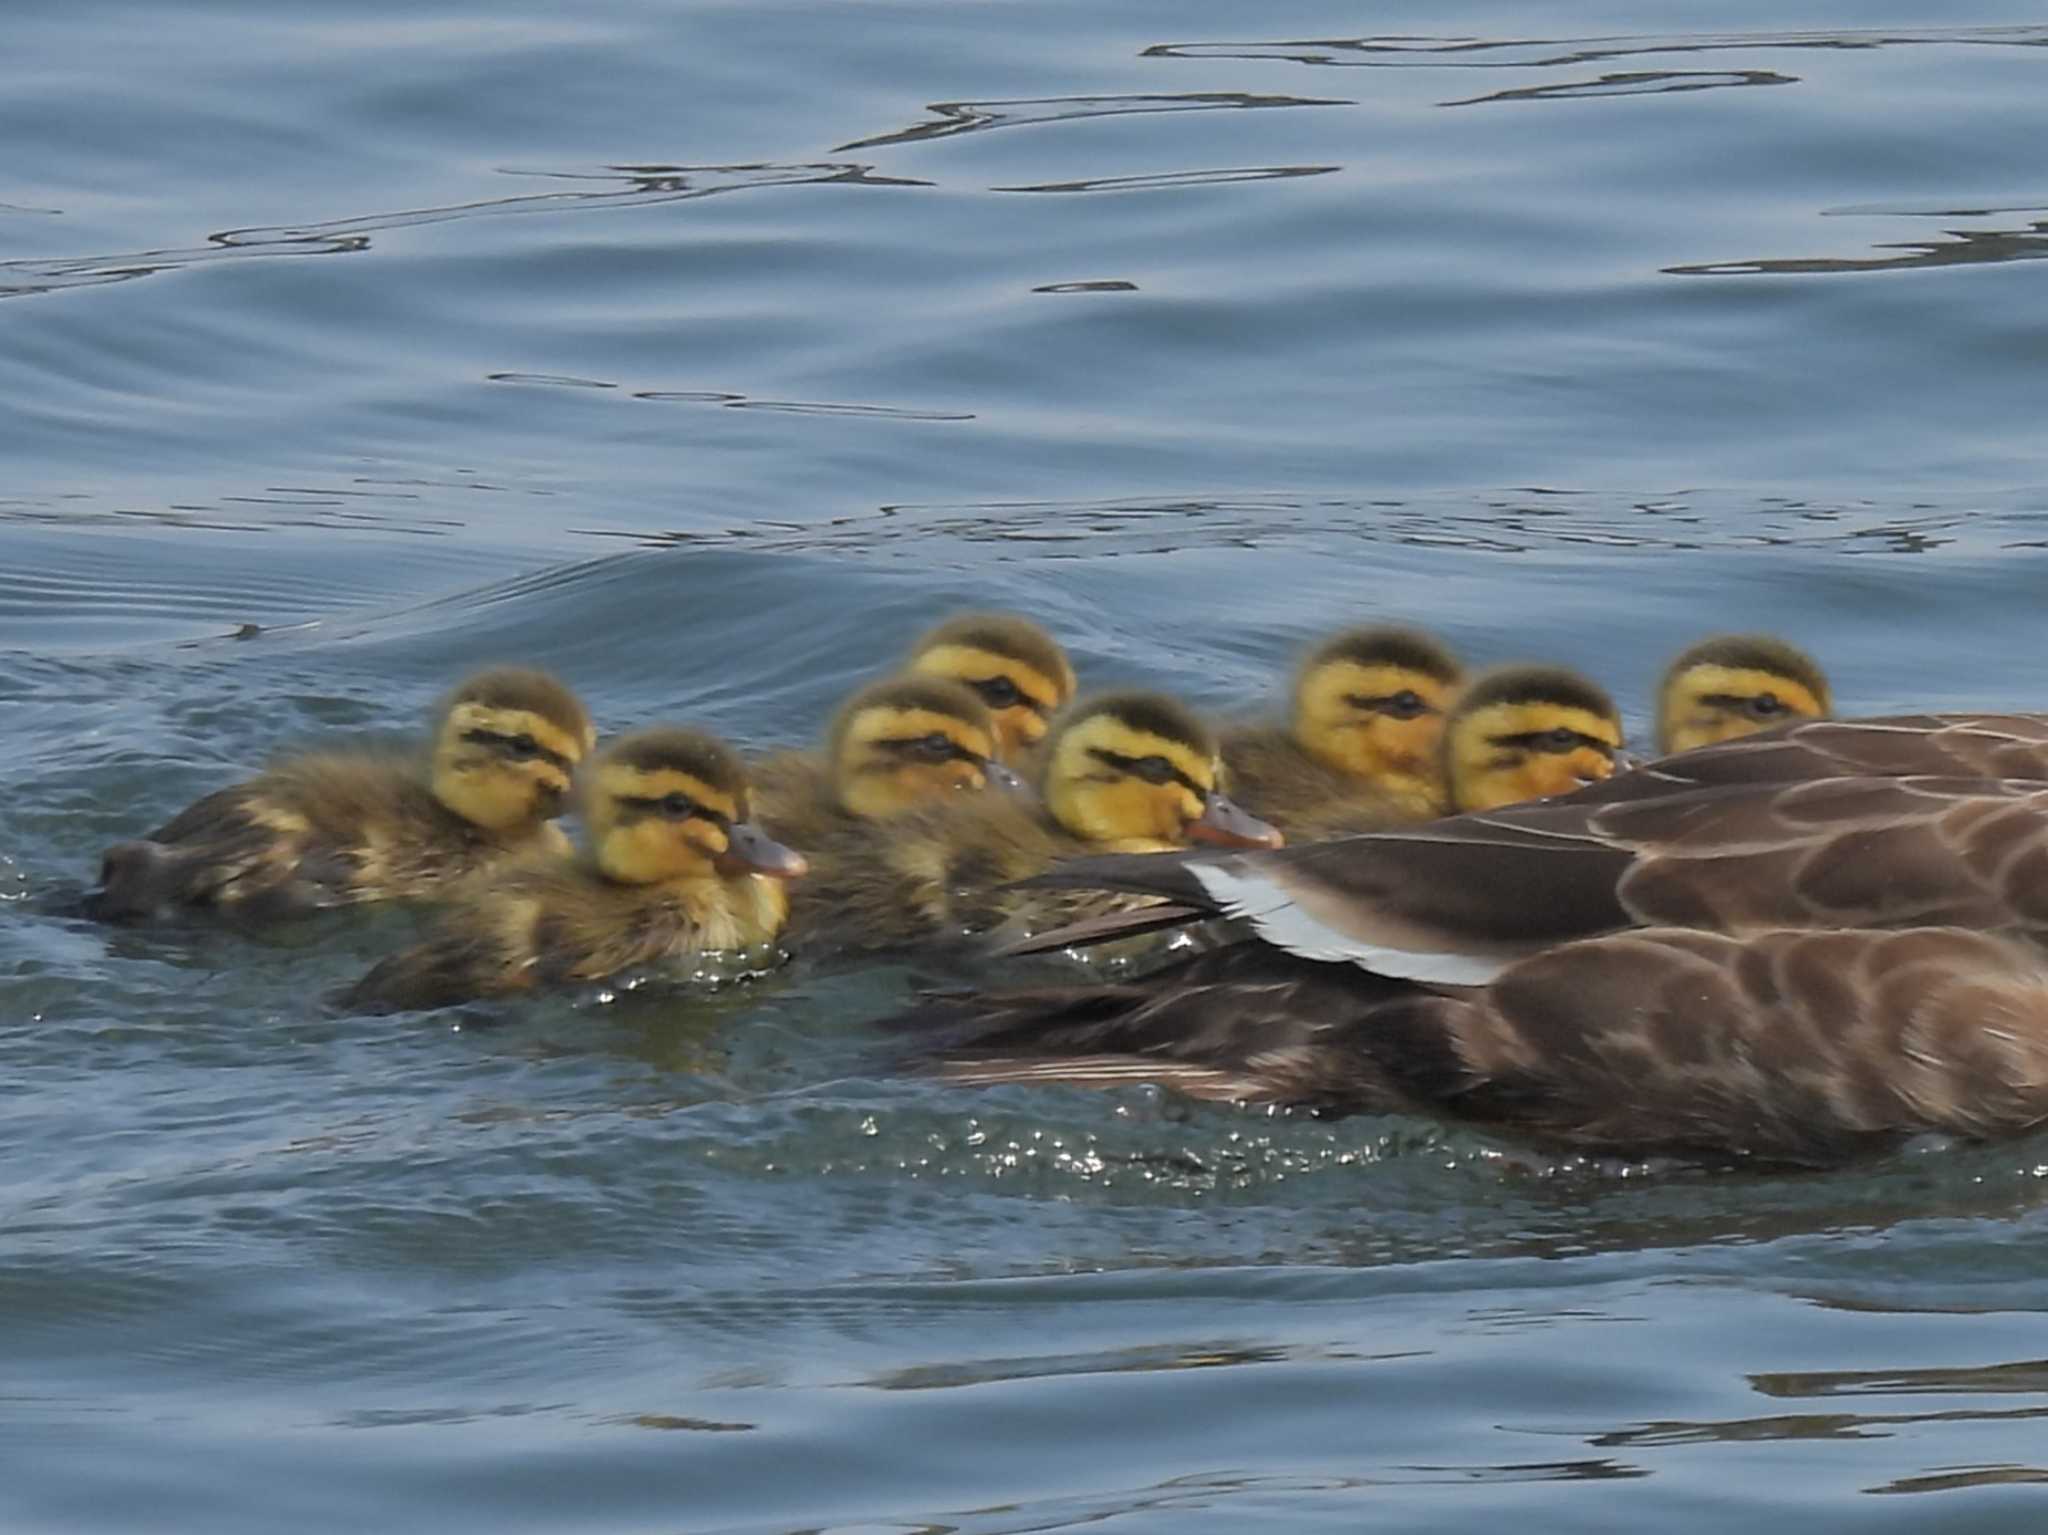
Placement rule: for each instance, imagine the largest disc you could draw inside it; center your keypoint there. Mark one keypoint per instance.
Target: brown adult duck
(1798, 947)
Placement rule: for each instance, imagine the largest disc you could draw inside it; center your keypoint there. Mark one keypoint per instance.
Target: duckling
(1735, 685)
(1018, 669)
(894, 745)
(1124, 772)
(674, 868)
(1367, 715)
(366, 823)
(1517, 733)
(1528, 732)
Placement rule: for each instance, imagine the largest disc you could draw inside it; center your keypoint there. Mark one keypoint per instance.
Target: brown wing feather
(1798, 1047)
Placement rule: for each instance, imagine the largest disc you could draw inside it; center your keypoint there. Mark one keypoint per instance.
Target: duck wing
(1454, 902)
(1888, 746)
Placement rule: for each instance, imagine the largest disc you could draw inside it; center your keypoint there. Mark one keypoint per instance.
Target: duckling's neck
(1416, 783)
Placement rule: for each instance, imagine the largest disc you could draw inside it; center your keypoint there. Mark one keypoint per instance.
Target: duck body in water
(1799, 947)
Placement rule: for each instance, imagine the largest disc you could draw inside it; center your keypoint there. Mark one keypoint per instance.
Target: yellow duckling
(1018, 669)
(1367, 718)
(366, 823)
(895, 745)
(1528, 732)
(1735, 685)
(1517, 733)
(674, 868)
(1126, 772)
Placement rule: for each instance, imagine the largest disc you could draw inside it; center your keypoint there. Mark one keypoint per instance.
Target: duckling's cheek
(1410, 744)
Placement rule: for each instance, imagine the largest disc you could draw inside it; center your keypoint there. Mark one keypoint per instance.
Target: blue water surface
(706, 353)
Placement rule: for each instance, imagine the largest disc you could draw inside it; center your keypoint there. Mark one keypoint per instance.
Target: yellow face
(1020, 697)
(502, 768)
(1708, 703)
(892, 759)
(1377, 722)
(1503, 754)
(1132, 790)
(650, 826)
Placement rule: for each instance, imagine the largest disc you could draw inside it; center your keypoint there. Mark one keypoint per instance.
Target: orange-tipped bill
(749, 850)
(1227, 824)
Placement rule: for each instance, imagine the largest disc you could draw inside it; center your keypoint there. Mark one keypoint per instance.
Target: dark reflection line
(1964, 247)
(1974, 1476)
(1424, 52)
(1176, 179)
(1792, 1426)
(957, 117)
(1636, 83)
(623, 187)
(2027, 1375)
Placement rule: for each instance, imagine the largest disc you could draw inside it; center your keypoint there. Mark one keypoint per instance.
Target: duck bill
(749, 850)
(1225, 823)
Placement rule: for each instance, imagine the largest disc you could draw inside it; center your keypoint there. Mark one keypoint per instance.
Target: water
(705, 354)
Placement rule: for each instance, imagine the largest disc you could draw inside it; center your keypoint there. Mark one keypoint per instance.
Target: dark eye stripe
(651, 804)
(508, 744)
(909, 746)
(1129, 765)
(1540, 740)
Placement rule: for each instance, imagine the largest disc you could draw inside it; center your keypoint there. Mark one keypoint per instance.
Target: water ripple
(619, 186)
(957, 117)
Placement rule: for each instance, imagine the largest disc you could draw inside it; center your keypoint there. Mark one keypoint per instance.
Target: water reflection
(1962, 247)
(957, 117)
(1398, 52)
(1176, 179)
(619, 186)
(1649, 82)
(1508, 523)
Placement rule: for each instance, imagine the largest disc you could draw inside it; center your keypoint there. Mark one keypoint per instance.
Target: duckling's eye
(1153, 769)
(936, 747)
(1404, 705)
(1764, 705)
(522, 745)
(678, 806)
(1558, 740)
(998, 692)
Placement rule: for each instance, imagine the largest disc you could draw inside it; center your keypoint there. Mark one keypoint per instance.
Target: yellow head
(1528, 732)
(1371, 703)
(1136, 772)
(670, 804)
(1018, 669)
(907, 741)
(1735, 685)
(506, 744)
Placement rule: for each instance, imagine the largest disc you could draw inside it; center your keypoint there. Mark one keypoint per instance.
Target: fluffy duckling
(1367, 715)
(364, 823)
(1735, 685)
(1517, 733)
(1018, 669)
(674, 868)
(1528, 732)
(1127, 772)
(895, 745)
